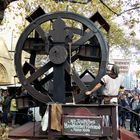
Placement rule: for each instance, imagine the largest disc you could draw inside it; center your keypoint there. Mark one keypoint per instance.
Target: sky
(136, 28)
(7, 30)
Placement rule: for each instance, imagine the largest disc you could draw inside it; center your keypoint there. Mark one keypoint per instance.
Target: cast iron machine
(51, 38)
(45, 54)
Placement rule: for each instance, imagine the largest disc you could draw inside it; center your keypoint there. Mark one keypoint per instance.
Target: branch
(109, 8)
(128, 10)
(118, 14)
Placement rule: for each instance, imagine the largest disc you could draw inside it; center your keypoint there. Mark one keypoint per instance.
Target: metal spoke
(39, 72)
(75, 77)
(82, 40)
(41, 32)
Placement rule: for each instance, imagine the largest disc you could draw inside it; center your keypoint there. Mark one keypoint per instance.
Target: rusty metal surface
(127, 135)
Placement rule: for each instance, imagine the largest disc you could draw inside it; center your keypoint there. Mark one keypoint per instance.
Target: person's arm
(94, 89)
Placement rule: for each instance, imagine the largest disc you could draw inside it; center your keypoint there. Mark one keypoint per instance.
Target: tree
(109, 9)
(84, 9)
(3, 6)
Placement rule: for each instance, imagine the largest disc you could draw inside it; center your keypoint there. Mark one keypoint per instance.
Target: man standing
(111, 82)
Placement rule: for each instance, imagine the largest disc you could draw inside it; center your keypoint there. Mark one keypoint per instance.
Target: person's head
(115, 70)
(136, 97)
(124, 96)
(129, 94)
(5, 93)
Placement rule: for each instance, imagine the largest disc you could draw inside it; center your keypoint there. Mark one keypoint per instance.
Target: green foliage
(138, 73)
(84, 65)
(116, 36)
(136, 43)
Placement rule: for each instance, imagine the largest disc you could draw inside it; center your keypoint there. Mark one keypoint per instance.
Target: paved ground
(29, 131)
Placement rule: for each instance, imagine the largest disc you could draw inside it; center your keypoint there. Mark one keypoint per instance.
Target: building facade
(129, 77)
(7, 71)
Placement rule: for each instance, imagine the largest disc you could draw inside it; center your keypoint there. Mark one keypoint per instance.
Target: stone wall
(7, 71)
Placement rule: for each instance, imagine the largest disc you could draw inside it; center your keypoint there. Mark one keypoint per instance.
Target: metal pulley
(58, 54)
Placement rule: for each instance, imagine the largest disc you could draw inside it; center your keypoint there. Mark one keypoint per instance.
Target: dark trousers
(122, 118)
(134, 122)
(5, 118)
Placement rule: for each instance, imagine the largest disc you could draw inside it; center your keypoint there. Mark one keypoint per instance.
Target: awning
(6, 86)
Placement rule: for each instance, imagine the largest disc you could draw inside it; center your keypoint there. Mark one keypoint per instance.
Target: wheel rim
(36, 25)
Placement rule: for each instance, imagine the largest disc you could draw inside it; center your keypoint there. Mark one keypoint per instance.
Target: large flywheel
(47, 49)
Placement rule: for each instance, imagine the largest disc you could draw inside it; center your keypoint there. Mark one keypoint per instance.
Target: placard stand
(77, 121)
